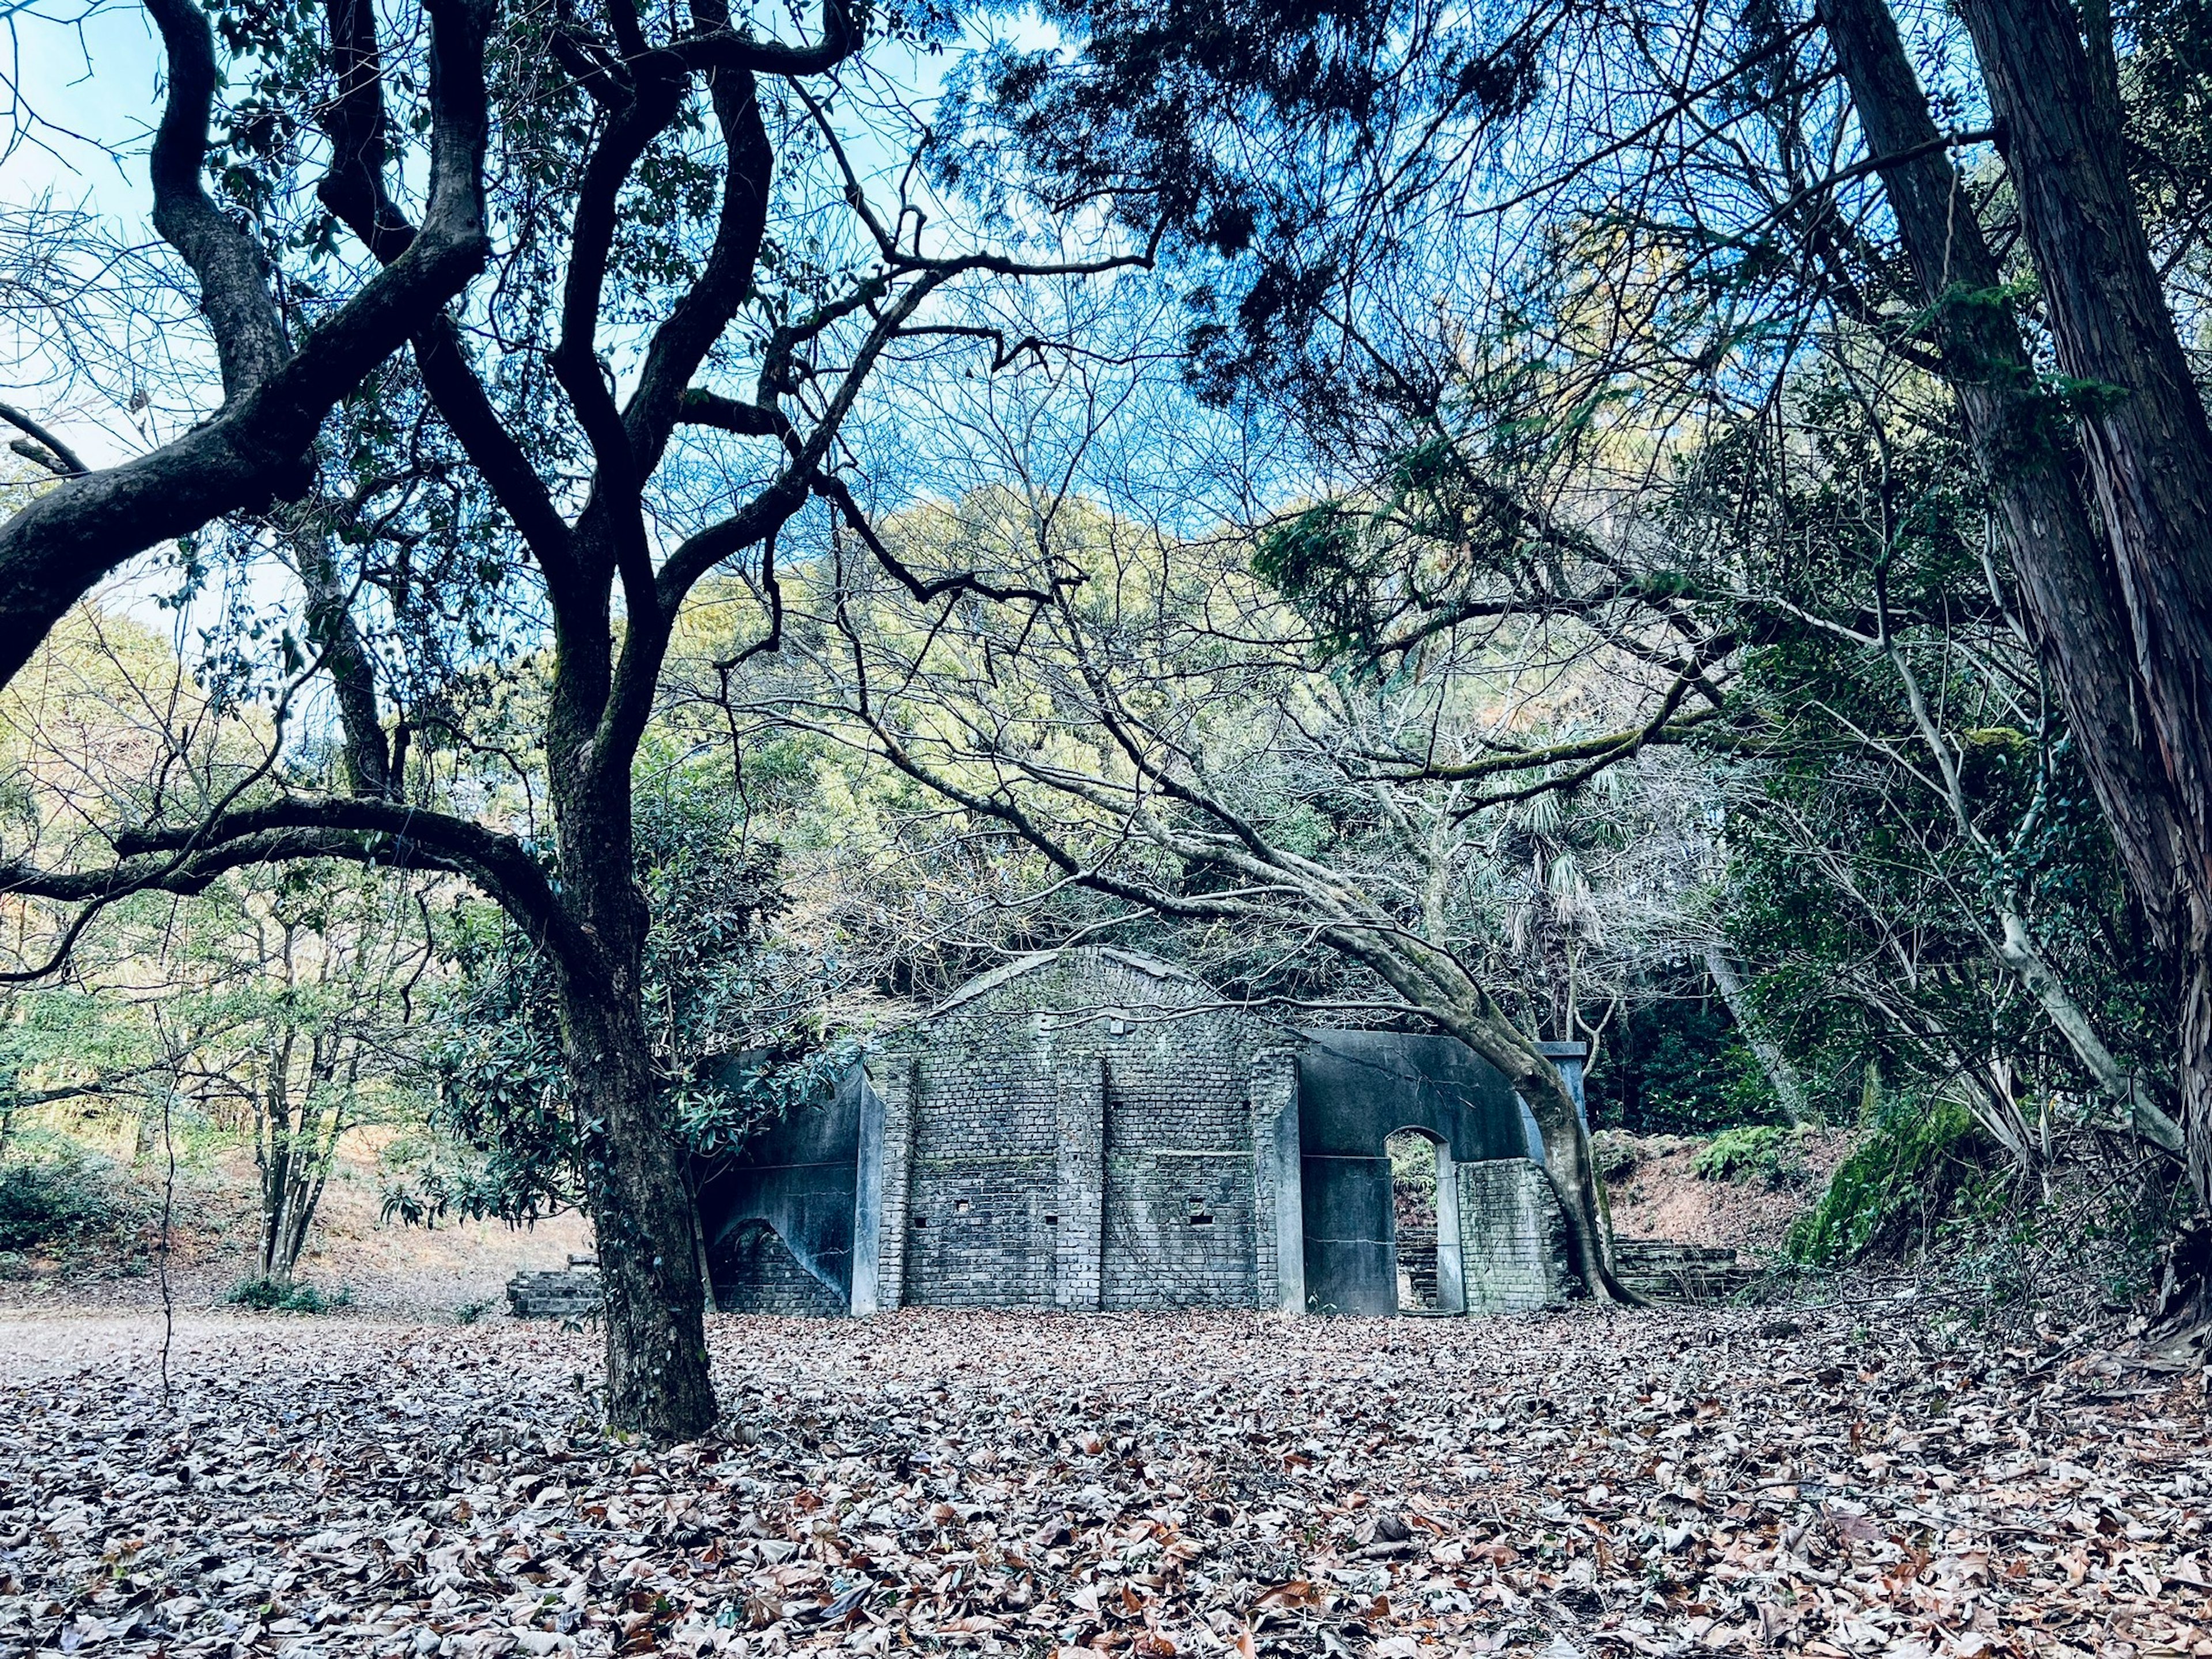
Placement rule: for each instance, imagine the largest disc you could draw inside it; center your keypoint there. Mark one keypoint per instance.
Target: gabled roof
(983, 984)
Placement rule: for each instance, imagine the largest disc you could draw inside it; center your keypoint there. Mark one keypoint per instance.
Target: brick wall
(1078, 1220)
(984, 1176)
(1090, 1130)
(1513, 1237)
(892, 1078)
(1081, 1135)
(1179, 1230)
(761, 1275)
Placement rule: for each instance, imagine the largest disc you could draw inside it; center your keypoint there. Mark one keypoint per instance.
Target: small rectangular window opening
(960, 1206)
(1199, 1215)
(922, 1221)
(1052, 1221)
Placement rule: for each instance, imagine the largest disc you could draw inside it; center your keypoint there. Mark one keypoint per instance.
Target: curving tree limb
(257, 449)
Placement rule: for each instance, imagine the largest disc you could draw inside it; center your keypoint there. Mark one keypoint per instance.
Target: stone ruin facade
(1094, 1129)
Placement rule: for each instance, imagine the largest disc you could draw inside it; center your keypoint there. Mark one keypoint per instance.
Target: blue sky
(83, 85)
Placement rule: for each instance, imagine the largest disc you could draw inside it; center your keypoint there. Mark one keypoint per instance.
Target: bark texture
(257, 449)
(295, 1142)
(2120, 599)
(1788, 1087)
(2148, 444)
(609, 646)
(654, 1309)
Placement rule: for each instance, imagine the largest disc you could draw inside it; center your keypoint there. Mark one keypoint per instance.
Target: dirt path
(1659, 1194)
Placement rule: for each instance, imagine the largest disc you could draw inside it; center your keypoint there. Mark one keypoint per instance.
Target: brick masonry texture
(1093, 1130)
(767, 1279)
(1082, 1133)
(1512, 1238)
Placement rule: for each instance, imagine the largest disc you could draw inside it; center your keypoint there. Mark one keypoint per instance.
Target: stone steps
(1668, 1271)
(1417, 1266)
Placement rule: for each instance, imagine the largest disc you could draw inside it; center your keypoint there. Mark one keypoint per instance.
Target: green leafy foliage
(1763, 1152)
(1677, 1064)
(2166, 83)
(1455, 516)
(278, 1296)
(1156, 117)
(717, 1110)
(1616, 1153)
(1898, 779)
(1923, 1161)
(508, 1141)
(1412, 1166)
(57, 1200)
(505, 1142)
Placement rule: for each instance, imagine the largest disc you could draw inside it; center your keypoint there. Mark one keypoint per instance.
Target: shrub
(1412, 1166)
(1924, 1161)
(263, 1293)
(1739, 1154)
(53, 1201)
(274, 1295)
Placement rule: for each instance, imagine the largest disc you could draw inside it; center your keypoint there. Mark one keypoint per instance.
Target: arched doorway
(1413, 1189)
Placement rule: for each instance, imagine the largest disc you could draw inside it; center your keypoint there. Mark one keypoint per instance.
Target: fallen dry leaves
(1662, 1483)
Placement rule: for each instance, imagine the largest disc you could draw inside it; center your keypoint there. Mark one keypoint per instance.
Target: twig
(168, 1209)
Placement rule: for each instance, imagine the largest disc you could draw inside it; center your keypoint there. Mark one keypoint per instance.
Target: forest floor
(1853, 1480)
(1660, 1196)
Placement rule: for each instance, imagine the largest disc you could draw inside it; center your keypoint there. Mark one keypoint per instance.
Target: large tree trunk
(1788, 1087)
(2123, 619)
(277, 1151)
(655, 1312)
(657, 1378)
(1568, 1159)
(2148, 442)
(2196, 1055)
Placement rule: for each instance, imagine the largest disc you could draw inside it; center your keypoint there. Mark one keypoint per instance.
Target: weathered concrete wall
(1356, 1089)
(778, 1216)
(892, 1081)
(1570, 1058)
(1278, 1185)
(1451, 1273)
(1512, 1238)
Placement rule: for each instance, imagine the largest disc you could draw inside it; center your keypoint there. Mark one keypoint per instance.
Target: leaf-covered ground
(1841, 1482)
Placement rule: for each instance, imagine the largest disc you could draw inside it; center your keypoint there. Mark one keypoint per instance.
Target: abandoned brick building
(1091, 1128)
